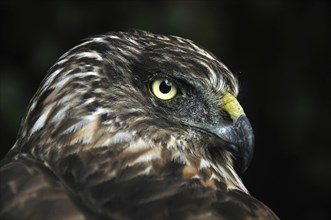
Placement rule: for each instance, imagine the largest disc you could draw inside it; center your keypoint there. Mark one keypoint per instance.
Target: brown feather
(97, 144)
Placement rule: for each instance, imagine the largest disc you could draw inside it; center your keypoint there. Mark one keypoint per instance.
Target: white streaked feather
(114, 37)
(90, 54)
(76, 126)
(214, 177)
(99, 40)
(214, 78)
(151, 155)
(234, 179)
(133, 41)
(51, 77)
(59, 116)
(179, 157)
(85, 121)
(82, 139)
(41, 120)
(201, 51)
(146, 171)
(83, 74)
(137, 145)
(204, 164)
(117, 138)
(61, 82)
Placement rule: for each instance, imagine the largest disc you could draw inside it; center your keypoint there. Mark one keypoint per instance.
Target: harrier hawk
(132, 125)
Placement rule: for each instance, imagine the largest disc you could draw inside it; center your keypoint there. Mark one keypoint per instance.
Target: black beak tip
(246, 141)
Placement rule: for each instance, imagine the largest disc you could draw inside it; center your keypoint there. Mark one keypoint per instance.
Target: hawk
(132, 125)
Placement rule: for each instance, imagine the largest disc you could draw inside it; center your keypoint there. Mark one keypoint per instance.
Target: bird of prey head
(133, 125)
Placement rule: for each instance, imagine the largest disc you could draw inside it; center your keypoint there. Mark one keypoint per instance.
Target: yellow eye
(164, 89)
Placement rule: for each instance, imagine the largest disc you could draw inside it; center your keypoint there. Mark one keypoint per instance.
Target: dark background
(280, 51)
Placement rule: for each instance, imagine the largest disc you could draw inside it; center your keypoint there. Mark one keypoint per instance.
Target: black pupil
(165, 87)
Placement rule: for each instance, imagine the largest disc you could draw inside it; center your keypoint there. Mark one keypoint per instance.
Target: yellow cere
(232, 106)
(164, 89)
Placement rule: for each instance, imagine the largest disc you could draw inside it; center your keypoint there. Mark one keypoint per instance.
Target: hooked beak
(238, 134)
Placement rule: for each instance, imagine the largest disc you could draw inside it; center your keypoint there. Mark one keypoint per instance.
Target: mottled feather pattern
(41, 193)
(100, 146)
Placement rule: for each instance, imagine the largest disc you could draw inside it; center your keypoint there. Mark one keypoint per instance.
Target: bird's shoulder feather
(29, 190)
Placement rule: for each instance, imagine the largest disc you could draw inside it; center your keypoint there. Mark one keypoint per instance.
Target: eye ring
(164, 88)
